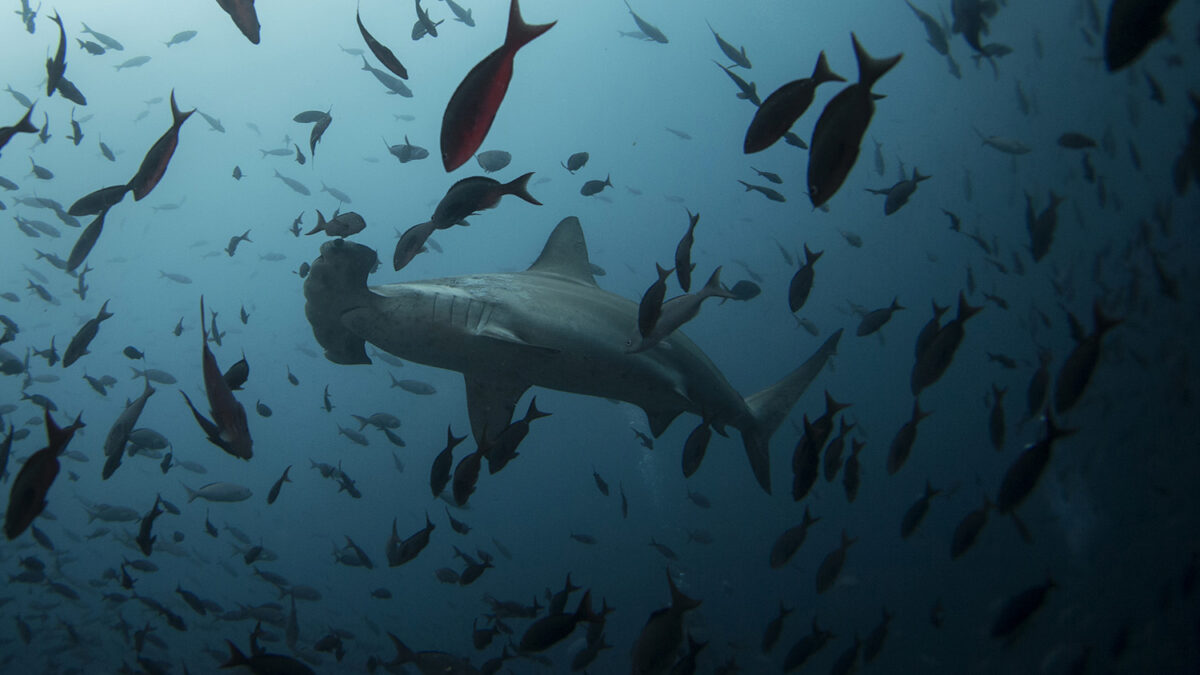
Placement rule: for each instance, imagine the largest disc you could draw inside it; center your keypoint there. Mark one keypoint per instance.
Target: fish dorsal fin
(565, 254)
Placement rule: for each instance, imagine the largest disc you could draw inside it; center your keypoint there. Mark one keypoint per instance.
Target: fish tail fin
(770, 406)
(533, 413)
(871, 69)
(519, 187)
(336, 285)
(608, 180)
(25, 125)
(713, 287)
(520, 33)
(403, 653)
(236, 657)
(966, 311)
(321, 222)
(823, 73)
(192, 494)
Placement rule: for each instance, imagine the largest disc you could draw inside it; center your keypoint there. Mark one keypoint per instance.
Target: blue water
(1113, 519)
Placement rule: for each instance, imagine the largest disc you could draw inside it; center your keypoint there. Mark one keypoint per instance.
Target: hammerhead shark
(549, 326)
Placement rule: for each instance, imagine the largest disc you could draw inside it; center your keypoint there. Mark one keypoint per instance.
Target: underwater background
(1112, 521)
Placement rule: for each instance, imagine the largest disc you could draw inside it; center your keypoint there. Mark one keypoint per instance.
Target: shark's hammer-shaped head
(336, 284)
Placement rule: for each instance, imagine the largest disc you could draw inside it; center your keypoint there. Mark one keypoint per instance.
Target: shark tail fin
(337, 284)
(770, 406)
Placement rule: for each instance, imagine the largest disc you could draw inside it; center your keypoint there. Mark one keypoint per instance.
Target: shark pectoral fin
(490, 405)
(505, 335)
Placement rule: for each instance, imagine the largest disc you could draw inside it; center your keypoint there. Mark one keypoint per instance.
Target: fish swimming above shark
(548, 326)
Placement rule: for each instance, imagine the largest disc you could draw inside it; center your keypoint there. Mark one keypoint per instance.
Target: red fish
(154, 165)
(472, 108)
(28, 496)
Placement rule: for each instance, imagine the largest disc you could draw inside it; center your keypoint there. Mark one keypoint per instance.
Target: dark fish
(274, 493)
(439, 473)
(600, 484)
(996, 418)
(293, 183)
(937, 355)
(1024, 473)
(466, 475)
(737, 56)
(902, 442)
(474, 194)
(683, 259)
(1039, 385)
(806, 647)
(381, 52)
(40, 171)
(246, 19)
(393, 85)
(79, 343)
(1076, 371)
(840, 129)
(831, 566)
(745, 290)
(659, 640)
(133, 63)
(968, 529)
(1019, 608)
(875, 319)
(790, 541)
(58, 65)
(595, 187)
(874, 642)
(457, 525)
(774, 178)
(87, 239)
(748, 91)
(493, 160)
(898, 194)
(574, 163)
(154, 164)
(802, 282)
(144, 539)
(181, 37)
(766, 191)
(784, 106)
(228, 428)
(651, 304)
(98, 201)
(342, 225)
(237, 374)
(774, 628)
(1133, 25)
(916, 512)
(27, 496)
(472, 107)
(649, 30)
(231, 248)
(553, 628)
(317, 132)
(504, 446)
(833, 451)
(1076, 141)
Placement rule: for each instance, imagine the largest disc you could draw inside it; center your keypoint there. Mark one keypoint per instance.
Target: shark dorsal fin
(565, 254)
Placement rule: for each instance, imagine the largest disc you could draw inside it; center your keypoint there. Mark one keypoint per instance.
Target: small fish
(783, 107)
(765, 191)
(574, 163)
(595, 187)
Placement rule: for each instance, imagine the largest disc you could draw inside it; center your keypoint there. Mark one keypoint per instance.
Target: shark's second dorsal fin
(565, 254)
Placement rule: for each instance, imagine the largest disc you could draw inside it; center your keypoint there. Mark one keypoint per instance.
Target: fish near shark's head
(337, 284)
